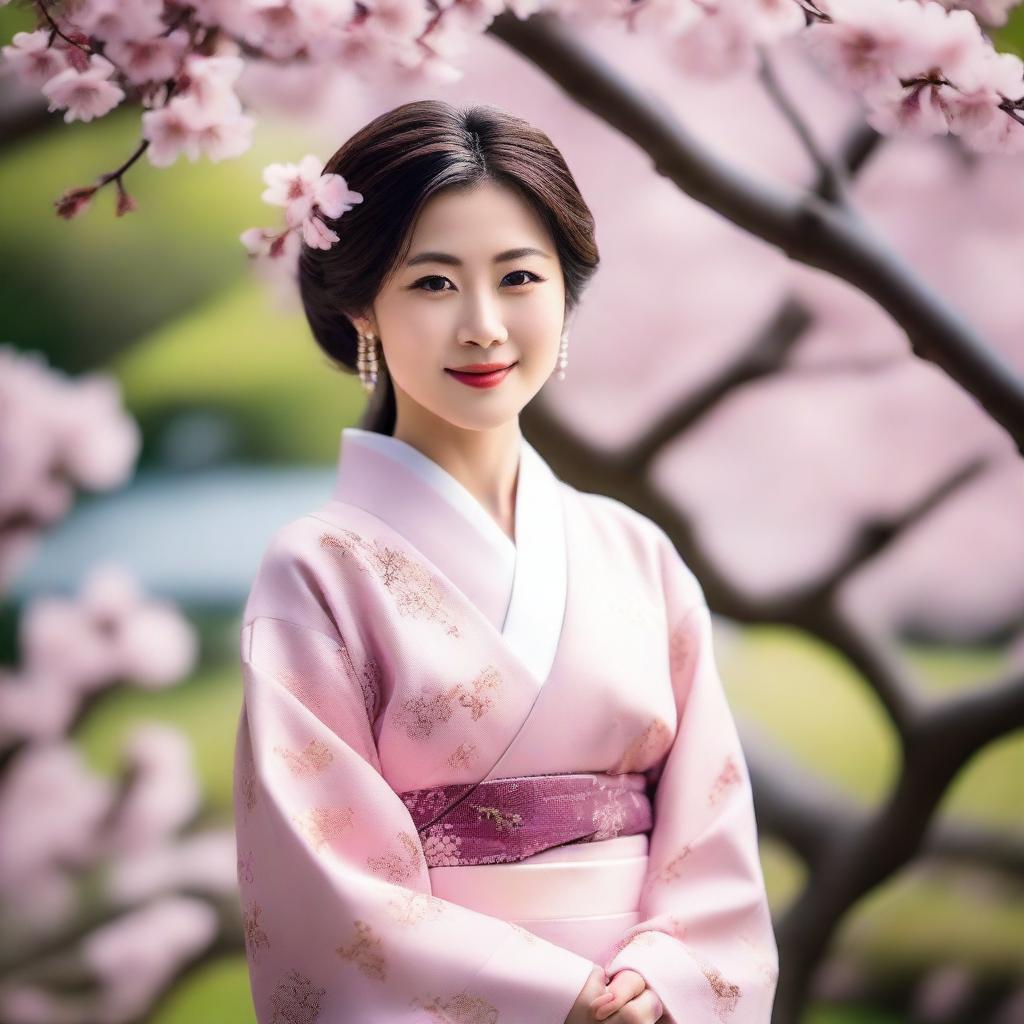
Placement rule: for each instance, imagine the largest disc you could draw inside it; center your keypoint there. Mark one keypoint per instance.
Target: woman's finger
(646, 1008)
(623, 987)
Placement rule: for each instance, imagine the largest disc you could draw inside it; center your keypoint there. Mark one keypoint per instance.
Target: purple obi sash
(504, 820)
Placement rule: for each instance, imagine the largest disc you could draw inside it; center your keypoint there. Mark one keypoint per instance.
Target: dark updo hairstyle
(397, 162)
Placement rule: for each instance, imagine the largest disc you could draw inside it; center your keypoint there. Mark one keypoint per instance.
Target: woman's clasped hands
(628, 1000)
(625, 999)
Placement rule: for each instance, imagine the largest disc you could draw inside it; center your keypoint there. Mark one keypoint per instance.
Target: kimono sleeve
(339, 920)
(705, 941)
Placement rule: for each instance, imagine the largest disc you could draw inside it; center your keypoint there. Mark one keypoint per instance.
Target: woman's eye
(421, 283)
(433, 277)
(529, 274)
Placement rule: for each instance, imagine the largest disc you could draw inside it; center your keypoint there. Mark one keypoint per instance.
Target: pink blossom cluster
(991, 12)
(204, 118)
(131, 830)
(924, 70)
(306, 194)
(56, 434)
(127, 833)
(924, 66)
(134, 958)
(72, 647)
(91, 819)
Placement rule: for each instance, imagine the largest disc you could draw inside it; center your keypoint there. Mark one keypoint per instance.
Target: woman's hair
(397, 162)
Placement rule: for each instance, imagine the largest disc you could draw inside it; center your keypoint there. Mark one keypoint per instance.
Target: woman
(484, 762)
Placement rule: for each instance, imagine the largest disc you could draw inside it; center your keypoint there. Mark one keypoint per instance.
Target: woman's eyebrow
(454, 261)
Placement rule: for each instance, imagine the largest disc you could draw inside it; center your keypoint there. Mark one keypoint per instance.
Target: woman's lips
(482, 380)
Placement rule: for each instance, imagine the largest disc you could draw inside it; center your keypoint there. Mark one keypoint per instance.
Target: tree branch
(804, 226)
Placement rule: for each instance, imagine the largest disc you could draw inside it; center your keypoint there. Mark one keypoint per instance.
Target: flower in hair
(307, 195)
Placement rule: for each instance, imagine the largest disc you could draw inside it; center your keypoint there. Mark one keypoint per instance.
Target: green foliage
(205, 708)
(934, 913)
(16, 17)
(1010, 37)
(82, 290)
(805, 696)
(217, 992)
(239, 355)
(850, 1015)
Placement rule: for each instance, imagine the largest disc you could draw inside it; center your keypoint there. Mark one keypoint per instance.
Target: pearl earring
(563, 357)
(366, 360)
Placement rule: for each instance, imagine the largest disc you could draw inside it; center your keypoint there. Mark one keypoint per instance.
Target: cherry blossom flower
(148, 60)
(84, 95)
(51, 775)
(164, 795)
(972, 107)
(281, 29)
(211, 83)
(170, 132)
(305, 193)
(864, 40)
(56, 433)
(670, 16)
(75, 201)
(204, 861)
(316, 234)
(991, 12)
(263, 241)
(36, 707)
(947, 41)
(138, 954)
(301, 187)
(184, 125)
(114, 20)
(922, 66)
(717, 44)
(916, 111)
(32, 58)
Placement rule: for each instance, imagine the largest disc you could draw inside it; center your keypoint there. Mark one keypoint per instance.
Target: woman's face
(453, 302)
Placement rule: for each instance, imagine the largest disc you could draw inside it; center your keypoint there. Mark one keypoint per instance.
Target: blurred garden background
(239, 419)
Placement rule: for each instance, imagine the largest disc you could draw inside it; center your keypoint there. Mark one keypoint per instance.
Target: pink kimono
(397, 641)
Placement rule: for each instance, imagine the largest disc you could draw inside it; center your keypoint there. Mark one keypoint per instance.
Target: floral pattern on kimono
(370, 670)
(705, 942)
(340, 922)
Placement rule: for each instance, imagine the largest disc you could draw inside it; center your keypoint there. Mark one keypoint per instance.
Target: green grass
(239, 354)
(806, 696)
(852, 1015)
(217, 993)
(118, 278)
(205, 707)
(933, 913)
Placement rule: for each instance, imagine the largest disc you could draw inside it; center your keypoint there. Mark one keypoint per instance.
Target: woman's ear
(364, 324)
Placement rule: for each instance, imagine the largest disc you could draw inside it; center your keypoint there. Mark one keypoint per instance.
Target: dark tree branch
(803, 225)
(807, 814)
(875, 536)
(832, 182)
(764, 355)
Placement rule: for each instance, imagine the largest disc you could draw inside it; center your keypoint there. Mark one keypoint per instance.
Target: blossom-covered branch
(923, 67)
(114, 882)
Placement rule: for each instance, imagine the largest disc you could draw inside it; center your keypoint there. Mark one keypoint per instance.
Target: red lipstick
(481, 375)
